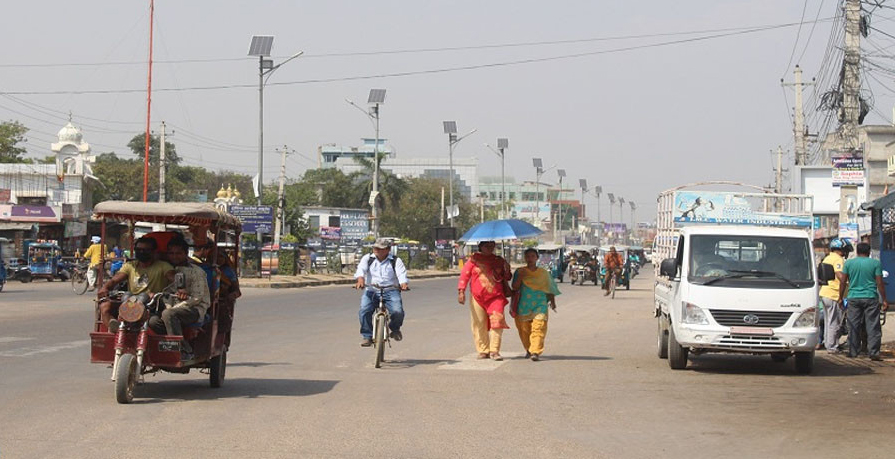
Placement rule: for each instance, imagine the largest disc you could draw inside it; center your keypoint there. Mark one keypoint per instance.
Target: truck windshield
(750, 261)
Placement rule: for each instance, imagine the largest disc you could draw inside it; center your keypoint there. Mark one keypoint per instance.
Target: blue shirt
(381, 272)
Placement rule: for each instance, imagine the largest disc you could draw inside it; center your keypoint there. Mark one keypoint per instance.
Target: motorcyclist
(145, 275)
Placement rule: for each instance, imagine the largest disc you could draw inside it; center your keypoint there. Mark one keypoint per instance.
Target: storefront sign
(38, 214)
(355, 224)
(330, 233)
(254, 218)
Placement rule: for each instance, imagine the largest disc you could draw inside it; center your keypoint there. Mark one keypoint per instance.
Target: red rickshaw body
(162, 352)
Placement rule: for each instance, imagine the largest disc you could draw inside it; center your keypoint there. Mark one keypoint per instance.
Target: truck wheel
(218, 369)
(662, 338)
(125, 378)
(804, 362)
(677, 354)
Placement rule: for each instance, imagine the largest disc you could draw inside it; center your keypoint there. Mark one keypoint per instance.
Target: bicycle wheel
(379, 340)
(79, 282)
(612, 285)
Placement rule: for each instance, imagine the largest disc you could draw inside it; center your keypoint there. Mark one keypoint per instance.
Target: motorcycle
(18, 270)
(582, 273)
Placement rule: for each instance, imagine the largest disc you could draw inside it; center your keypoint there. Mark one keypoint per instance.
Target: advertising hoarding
(729, 209)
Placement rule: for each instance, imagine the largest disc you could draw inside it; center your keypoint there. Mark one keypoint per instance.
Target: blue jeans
(863, 312)
(370, 301)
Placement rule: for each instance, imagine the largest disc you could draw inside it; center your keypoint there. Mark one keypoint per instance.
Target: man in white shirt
(381, 268)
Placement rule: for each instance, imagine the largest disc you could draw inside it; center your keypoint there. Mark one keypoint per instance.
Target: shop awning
(15, 226)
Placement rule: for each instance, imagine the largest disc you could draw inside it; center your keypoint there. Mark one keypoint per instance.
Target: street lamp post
(539, 172)
(502, 145)
(450, 128)
(376, 98)
(260, 46)
(561, 173)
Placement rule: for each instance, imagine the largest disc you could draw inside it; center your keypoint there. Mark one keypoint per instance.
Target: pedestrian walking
(488, 277)
(833, 313)
(534, 290)
(863, 278)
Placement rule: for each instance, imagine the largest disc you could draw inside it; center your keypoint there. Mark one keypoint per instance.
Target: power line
(421, 72)
(798, 35)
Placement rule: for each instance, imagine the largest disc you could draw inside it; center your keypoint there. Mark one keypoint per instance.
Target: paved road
(298, 385)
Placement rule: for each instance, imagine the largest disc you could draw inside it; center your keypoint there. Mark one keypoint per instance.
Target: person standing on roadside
(829, 297)
(863, 278)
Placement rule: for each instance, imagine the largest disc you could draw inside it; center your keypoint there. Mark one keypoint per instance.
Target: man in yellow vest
(829, 296)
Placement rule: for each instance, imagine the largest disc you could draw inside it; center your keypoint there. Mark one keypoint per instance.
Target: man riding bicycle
(381, 268)
(613, 263)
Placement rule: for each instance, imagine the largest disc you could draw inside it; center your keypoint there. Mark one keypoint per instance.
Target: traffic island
(316, 280)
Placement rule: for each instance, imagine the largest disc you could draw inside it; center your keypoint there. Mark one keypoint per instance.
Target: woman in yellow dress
(535, 290)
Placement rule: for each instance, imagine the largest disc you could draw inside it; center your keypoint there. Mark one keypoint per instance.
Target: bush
(287, 261)
(420, 261)
(443, 264)
(334, 262)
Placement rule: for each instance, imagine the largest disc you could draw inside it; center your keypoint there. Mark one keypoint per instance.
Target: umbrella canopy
(500, 230)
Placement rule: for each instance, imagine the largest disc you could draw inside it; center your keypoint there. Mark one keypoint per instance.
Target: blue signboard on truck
(254, 218)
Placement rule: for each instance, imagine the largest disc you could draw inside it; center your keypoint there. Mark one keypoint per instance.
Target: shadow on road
(162, 391)
(256, 364)
(762, 365)
(583, 358)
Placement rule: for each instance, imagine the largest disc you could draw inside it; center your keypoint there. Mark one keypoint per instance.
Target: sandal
(483, 355)
(496, 356)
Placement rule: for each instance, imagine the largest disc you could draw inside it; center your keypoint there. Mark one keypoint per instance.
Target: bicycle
(613, 282)
(79, 282)
(381, 319)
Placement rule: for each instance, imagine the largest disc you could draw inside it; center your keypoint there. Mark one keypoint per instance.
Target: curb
(255, 283)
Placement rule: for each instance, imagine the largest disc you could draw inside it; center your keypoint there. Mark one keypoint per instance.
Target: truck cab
(741, 288)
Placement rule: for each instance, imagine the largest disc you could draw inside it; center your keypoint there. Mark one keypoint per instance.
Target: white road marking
(29, 351)
(472, 362)
(12, 339)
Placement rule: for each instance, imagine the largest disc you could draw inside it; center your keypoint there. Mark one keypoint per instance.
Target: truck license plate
(759, 331)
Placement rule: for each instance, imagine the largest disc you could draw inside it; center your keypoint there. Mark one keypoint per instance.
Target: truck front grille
(734, 318)
(746, 342)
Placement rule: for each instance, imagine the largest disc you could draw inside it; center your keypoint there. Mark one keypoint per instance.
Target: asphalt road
(298, 385)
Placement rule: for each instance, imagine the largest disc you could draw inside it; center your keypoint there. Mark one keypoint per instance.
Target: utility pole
(161, 172)
(778, 184)
(851, 87)
(278, 224)
(799, 130)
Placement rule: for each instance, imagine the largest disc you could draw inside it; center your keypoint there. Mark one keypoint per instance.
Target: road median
(316, 280)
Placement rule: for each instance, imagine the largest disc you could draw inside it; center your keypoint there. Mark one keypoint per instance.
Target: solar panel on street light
(611, 197)
(621, 201)
(583, 183)
(633, 206)
(502, 143)
(450, 127)
(377, 96)
(536, 162)
(598, 189)
(561, 172)
(261, 45)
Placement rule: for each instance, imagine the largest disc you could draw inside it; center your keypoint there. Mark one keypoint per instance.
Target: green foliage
(12, 133)
(442, 264)
(287, 258)
(334, 262)
(420, 261)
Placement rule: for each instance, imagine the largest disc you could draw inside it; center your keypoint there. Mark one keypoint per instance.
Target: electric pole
(161, 172)
(278, 225)
(799, 130)
(851, 87)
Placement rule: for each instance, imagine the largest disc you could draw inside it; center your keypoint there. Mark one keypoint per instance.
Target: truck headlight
(694, 315)
(808, 318)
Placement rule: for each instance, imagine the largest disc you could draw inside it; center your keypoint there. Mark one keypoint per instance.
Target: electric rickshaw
(135, 350)
(552, 258)
(584, 266)
(43, 261)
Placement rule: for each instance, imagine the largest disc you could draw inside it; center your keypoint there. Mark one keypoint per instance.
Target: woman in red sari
(488, 276)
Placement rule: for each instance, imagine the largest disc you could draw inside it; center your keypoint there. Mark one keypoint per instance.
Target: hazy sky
(635, 121)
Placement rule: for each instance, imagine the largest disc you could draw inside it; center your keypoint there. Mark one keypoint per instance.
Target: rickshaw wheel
(126, 378)
(218, 369)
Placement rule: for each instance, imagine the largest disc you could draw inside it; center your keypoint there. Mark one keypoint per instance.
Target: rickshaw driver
(613, 263)
(145, 275)
(194, 298)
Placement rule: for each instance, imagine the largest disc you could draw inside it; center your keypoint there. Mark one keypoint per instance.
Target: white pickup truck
(736, 274)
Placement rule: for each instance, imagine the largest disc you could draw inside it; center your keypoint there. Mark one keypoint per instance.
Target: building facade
(465, 170)
(328, 154)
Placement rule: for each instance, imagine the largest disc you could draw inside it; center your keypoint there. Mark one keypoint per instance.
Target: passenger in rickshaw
(202, 257)
(229, 293)
(194, 298)
(145, 275)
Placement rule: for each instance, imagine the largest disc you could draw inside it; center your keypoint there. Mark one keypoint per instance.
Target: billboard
(730, 209)
(355, 224)
(330, 233)
(254, 218)
(848, 169)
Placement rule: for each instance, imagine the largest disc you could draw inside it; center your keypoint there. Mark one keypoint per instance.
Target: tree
(121, 179)
(138, 147)
(419, 211)
(391, 187)
(12, 133)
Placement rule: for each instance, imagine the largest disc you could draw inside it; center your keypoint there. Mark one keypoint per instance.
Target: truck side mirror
(180, 281)
(825, 273)
(668, 268)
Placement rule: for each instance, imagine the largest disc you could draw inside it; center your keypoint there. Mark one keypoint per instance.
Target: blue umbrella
(500, 230)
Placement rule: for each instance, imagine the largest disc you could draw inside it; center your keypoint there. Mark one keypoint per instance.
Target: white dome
(69, 133)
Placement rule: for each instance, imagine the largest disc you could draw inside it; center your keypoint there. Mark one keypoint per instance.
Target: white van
(747, 287)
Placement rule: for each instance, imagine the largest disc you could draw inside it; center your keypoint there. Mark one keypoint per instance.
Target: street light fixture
(561, 173)
(502, 145)
(450, 128)
(539, 171)
(376, 98)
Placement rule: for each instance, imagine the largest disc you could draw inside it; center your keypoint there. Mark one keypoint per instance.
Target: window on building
(334, 221)
(512, 195)
(314, 222)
